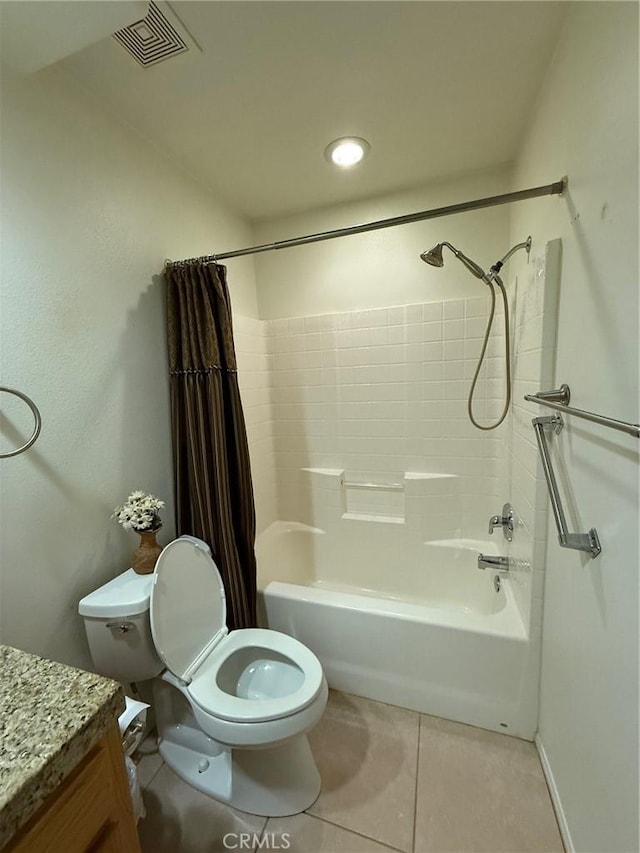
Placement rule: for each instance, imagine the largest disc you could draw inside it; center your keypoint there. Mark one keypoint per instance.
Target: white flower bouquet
(140, 513)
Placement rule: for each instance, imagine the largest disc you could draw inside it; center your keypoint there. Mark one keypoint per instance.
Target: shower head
(434, 256)
(435, 259)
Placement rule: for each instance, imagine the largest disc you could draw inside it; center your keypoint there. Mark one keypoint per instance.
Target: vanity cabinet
(63, 781)
(90, 811)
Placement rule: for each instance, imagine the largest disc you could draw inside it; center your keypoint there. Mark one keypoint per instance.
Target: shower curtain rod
(556, 188)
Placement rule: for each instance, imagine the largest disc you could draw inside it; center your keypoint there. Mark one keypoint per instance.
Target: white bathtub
(434, 637)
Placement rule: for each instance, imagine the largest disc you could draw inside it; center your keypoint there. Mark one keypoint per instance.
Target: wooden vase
(147, 552)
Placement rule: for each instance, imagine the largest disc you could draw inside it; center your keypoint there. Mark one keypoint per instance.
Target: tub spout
(487, 562)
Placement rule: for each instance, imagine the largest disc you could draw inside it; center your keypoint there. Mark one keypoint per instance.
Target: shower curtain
(212, 477)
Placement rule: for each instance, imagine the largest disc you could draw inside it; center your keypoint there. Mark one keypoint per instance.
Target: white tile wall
(255, 391)
(381, 392)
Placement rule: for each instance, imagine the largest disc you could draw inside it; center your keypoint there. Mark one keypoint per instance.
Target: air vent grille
(152, 39)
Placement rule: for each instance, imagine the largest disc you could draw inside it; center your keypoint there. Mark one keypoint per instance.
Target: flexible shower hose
(482, 355)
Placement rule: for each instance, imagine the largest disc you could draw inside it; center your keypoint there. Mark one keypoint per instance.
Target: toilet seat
(187, 607)
(205, 691)
(188, 624)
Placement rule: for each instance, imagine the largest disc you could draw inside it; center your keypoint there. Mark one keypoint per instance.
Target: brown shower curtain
(213, 489)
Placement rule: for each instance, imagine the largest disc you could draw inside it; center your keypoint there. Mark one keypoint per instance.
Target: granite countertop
(51, 715)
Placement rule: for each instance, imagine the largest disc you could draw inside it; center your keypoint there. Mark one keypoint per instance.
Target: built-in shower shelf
(375, 497)
(373, 517)
(373, 500)
(325, 472)
(375, 487)
(420, 475)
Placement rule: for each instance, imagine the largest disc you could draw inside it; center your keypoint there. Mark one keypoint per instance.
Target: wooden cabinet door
(90, 811)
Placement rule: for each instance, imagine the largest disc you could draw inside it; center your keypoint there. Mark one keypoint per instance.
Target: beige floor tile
(182, 820)
(366, 753)
(148, 766)
(306, 834)
(481, 791)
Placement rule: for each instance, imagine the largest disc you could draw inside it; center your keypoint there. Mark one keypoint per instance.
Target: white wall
(380, 268)
(585, 125)
(90, 212)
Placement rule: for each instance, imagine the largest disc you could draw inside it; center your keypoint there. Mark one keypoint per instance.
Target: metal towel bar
(37, 419)
(559, 400)
(588, 542)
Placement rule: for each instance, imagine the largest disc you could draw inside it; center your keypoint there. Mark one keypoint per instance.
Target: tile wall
(382, 392)
(255, 391)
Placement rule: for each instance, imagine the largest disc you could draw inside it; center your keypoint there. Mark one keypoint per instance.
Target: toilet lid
(188, 610)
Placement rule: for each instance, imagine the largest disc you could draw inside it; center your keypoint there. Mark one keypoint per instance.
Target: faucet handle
(495, 521)
(505, 521)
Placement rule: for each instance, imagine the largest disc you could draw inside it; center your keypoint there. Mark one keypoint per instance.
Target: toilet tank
(117, 622)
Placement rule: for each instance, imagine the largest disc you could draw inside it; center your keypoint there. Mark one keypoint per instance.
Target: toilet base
(275, 782)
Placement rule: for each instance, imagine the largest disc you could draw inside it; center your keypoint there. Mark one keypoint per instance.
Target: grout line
(355, 832)
(261, 836)
(415, 798)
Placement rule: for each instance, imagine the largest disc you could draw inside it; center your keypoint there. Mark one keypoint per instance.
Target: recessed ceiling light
(347, 151)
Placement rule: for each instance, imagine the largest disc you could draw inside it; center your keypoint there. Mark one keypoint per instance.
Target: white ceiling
(34, 35)
(438, 88)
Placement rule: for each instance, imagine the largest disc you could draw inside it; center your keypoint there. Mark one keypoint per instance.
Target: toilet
(232, 709)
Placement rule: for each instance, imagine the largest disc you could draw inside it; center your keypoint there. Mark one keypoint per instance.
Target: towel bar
(558, 399)
(587, 542)
(36, 417)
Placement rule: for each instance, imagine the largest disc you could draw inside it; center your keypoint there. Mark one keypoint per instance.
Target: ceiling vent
(155, 38)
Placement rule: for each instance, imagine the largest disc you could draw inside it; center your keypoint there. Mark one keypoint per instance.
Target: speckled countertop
(50, 717)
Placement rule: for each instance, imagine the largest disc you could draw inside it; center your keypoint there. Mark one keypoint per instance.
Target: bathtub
(434, 637)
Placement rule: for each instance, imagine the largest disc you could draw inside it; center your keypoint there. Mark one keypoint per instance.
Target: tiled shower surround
(382, 393)
(357, 425)
(255, 389)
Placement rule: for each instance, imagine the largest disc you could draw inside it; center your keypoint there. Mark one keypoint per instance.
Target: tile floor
(391, 780)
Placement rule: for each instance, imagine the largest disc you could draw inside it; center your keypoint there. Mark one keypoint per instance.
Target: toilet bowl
(232, 709)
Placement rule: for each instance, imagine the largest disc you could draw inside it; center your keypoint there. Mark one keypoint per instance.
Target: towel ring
(37, 418)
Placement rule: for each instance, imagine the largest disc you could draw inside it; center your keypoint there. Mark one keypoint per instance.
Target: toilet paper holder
(132, 724)
(132, 736)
